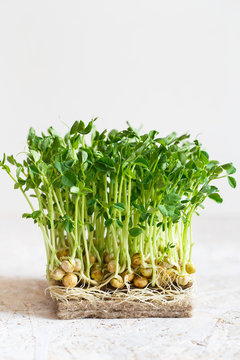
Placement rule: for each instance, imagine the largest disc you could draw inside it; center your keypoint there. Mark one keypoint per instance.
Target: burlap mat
(112, 309)
(80, 303)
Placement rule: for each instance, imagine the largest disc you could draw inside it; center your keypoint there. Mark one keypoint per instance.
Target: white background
(167, 65)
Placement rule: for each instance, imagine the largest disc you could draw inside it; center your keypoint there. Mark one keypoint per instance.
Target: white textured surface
(30, 330)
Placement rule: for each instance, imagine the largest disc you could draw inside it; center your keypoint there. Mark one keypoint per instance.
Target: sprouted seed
(57, 274)
(140, 281)
(70, 280)
(108, 258)
(136, 260)
(62, 253)
(96, 273)
(68, 265)
(117, 283)
(147, 272)
(127, 277)
(183, 280)
(190, 268)
(112, 266)
(117, 204)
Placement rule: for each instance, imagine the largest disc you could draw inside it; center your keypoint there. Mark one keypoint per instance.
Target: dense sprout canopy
(116, 192)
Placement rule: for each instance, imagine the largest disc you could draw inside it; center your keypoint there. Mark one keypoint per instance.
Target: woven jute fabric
(72, 305)
(112, 309)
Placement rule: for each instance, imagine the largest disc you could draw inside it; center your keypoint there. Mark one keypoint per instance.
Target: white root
(94, 293)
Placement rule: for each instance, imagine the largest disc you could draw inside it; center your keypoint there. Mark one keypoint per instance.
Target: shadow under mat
(26, 295)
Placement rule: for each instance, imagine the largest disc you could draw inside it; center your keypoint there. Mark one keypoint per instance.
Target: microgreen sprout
(116, 206)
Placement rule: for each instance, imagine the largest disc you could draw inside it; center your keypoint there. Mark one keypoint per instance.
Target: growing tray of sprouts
(115, 211)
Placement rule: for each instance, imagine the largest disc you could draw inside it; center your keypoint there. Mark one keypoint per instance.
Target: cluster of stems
(120, 194)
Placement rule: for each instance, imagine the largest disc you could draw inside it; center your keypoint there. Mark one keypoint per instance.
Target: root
(155, 296)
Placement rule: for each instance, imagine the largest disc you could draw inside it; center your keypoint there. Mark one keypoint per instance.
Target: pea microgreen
(119, 192)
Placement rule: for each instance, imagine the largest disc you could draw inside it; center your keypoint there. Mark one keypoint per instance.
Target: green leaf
(163, 210)
(207, 189)
(6, 168)
(34, 170)
(84, 155)
(68, 224)
(212, 164)
(140, 207)
(216, 197)
(69, 179)
(170, 209)
(172, 198)
(46, 143)
(90, 176)
(74, 128)
(182, 158)
(44, 168)
(170, 138)
(36, 214)
(36, 155)
(91, 202)
(141, 161)
(107, 162)
(147, 178)
(11, 160)
(231, 171)
(27, 216)
(88, 129)
(143, 216)
(108, 222)
(3, 160)
(218, 171)
(104, 164)
(227, 166)
(91, 228)
(135, 231)
(75, 141)
(129, 173)
(119, 223)
(52, 131)
(31, 134)
(105, 215)
(59, 166)
(119, 206)
(21, 181)
(204, 157)
(81, 127)
(232, 182)
(142, 226)
(213, 189)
